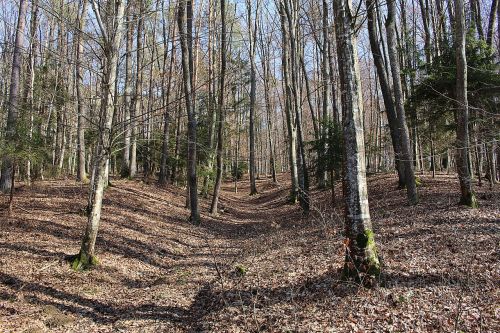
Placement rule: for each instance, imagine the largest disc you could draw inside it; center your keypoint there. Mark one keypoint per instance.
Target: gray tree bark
(81, 174)
(467, 196)
(252, 30)
(221, 110)
(361, 259)
(385, 88)
(127, 107)
(111, 33)
(187, 67)
(411, 187)
(7, 177)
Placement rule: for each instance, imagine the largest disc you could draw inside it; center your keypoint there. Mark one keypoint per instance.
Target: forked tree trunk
(361, 258)
(467, 196)
(6, 179)
(111, 44)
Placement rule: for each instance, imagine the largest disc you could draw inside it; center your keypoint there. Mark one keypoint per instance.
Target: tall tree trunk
(287, 107)
(476, 17)
(252, 30)
(184, 23)
(491, 22)
(211, 105)
(411, 187)
(6, 179)
(81, 174)
(221, 109)
(325, 77)
(136, 102)
(361, 255)
(30, 82)
(163, 177)
(385, 88)
(467, 196)
(292, 11)
(127, 105)
(111, 44)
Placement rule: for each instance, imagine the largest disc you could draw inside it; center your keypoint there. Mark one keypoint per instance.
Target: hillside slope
(259, 266)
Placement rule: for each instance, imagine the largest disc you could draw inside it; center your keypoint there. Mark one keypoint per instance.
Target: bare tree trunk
(361, 259)
(221, 123)
(30, 82)
(252, 30)
(291, 9)
(136, 103)
(265, 58)
(111, 44)
(385, 88)
(163, 177)
(325, 77)
(187, 66)
(287, 106)
(6, 179)
(411, 187)
(476, 17)
(81, 174)
(491, 22)
(467, 195)
(127, 107)
(211, 100)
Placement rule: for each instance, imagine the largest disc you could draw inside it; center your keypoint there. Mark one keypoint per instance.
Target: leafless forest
(249, 166)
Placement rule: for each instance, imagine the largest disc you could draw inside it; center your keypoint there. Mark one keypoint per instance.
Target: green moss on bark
(361, 268)
(470, 200)
(83, 261)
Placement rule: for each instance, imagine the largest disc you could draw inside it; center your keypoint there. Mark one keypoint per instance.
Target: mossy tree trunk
(111, 43)
(361, 261)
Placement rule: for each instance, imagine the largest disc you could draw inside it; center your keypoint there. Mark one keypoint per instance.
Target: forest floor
(258, 266)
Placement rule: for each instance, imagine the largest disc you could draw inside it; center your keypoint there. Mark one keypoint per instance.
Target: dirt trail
(258, 266)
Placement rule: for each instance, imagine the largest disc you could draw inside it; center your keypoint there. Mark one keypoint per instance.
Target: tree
(127, 109)
(252, 38)
(111, 28)
(7, 177)
(81, 174)
(467, 196)
(163, 176)
(221, 122)
(184, 20)
(361, 258)
(385, 87)
(411, 187)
